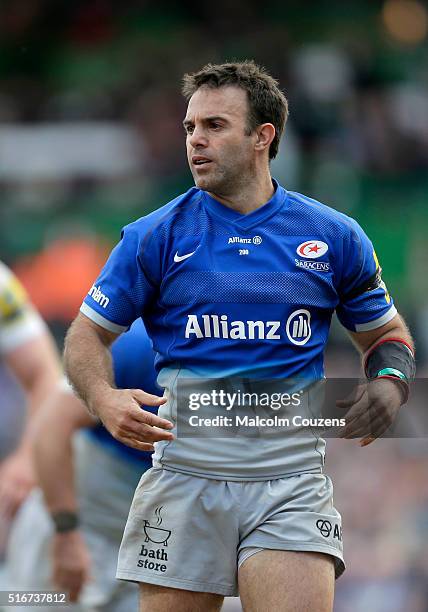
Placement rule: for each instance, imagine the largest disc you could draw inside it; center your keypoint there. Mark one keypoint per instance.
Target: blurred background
(91, 138)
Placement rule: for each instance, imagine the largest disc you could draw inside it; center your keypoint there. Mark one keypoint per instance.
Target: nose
(198, 138)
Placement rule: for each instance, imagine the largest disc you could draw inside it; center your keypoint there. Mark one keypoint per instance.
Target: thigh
(125, 599)
(154, 598)
(287, 581)
(292, 514)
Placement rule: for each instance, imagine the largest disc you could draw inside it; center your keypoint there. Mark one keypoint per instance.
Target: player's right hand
(70, 563)
(121, 413)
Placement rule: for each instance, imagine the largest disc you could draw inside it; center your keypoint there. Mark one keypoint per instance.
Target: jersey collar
(252, 218)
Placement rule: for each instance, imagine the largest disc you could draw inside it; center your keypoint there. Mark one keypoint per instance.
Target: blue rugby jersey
(133, 363)
(224, 294)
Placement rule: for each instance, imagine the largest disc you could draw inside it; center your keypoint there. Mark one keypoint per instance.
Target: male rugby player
(237, 279)
(28, 351)
(88, 480)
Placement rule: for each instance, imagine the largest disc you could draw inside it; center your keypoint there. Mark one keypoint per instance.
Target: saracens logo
(312, 249)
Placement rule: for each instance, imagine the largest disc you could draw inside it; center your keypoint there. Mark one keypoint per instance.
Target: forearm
(88, 362)
(36, 397)
(54, 427)
(41, 388)
(399, 332)
(365, 341)
(54, 466)
(37, 367)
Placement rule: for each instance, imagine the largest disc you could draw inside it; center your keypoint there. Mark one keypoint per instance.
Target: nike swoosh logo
(178, 257)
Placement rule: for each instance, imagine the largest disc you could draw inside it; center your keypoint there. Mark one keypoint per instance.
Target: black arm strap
(392, 358)
(370, 284)
(390, 353)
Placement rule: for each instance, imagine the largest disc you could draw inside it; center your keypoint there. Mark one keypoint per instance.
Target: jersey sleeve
(365, 303)
(19, 321)
(123, 289)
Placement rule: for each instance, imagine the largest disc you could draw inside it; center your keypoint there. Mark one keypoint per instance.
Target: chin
(213, 182)
(203, 183)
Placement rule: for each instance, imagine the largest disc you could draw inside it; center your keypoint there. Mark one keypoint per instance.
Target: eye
(189, 129)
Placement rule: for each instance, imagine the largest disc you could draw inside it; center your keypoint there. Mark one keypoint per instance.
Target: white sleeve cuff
(102, 321)
(385, 318)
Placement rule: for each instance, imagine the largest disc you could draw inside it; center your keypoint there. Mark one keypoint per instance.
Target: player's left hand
(70, 563)
(17, 478)
(373, 407)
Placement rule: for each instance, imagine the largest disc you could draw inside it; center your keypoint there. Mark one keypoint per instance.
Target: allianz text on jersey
(297, 328)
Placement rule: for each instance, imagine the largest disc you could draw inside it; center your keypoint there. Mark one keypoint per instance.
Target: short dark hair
(267, 103)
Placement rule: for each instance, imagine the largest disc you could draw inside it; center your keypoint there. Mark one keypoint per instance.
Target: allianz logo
(297, 328)
(238, 240)
(97, 295)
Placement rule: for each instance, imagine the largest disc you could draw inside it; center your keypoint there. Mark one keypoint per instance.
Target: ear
(265, 133)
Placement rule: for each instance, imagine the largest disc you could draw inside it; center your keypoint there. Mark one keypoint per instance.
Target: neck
(250, 196)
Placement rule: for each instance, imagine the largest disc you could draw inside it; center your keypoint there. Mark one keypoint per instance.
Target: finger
(377, 433)
(3, 498)
(377, 418)
(381, 417)
(16, 503)
(143, 432)
(13, 493)
(143, 416)
(137, 444)
(8, 503)
(365, 429)
(70, 581)
(357, 409)
(352, 415)
(77, 586)
(74, 591)
(380, 430)
(366, 441)
(147, 399)
(363, 425)
(147, 433)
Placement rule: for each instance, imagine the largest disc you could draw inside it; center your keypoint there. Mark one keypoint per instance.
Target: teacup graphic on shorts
(156, 534)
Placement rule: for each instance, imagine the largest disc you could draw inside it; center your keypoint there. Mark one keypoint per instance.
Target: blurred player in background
(87, 481)
(27, 350)
(237, 278)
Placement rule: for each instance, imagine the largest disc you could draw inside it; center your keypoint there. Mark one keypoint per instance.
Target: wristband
(391, 372)
(391, 358)
(65, 520)
(391, 353)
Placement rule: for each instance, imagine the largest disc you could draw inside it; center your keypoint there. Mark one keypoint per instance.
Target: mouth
(199, 160)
